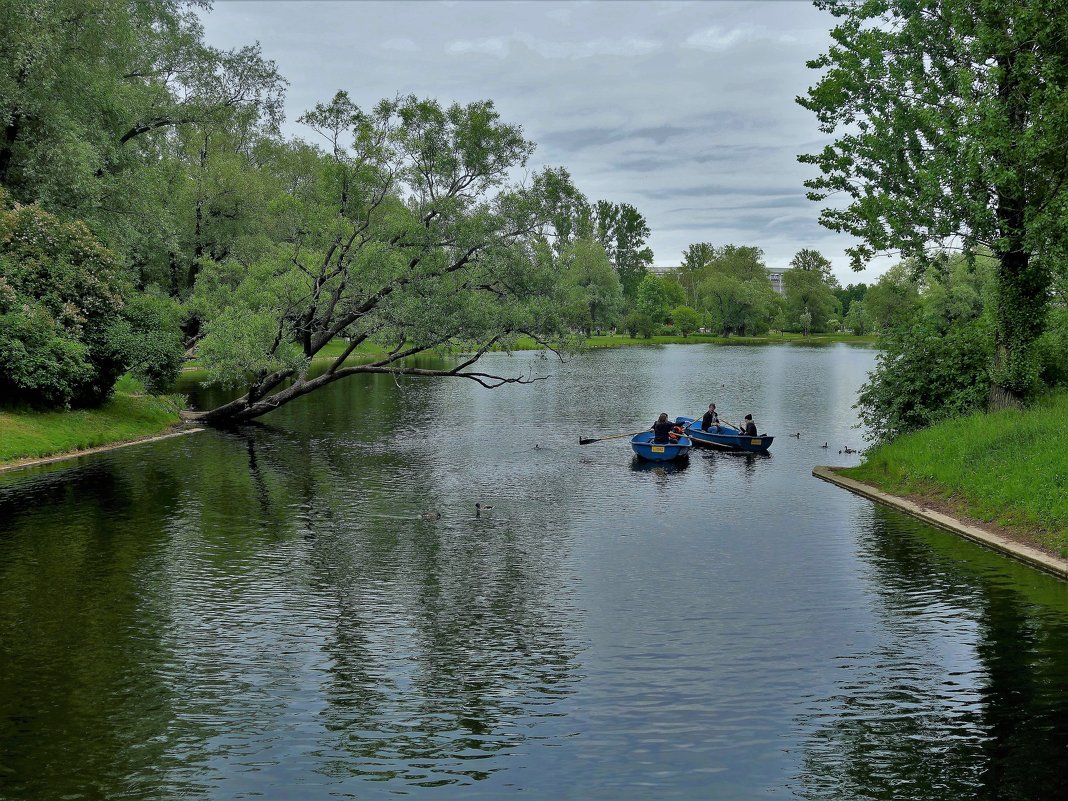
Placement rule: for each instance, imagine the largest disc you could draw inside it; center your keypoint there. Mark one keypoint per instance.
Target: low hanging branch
(252, 405)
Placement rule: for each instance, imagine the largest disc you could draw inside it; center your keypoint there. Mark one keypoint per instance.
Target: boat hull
(724, 437)
(645, 448)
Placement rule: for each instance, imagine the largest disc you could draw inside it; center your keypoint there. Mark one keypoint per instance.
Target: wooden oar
(588, 440)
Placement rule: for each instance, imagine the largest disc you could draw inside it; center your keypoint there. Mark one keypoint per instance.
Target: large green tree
(894, 298)
(591, 294)
(408, 234)
(91, 93)
(734, 291)
(622, 231)
(813, 261)
(657, 296)
(950, 118)
(696, 260)
(810, 300)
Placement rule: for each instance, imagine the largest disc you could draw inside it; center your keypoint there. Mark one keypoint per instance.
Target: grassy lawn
(29, 434)
(1009, 468)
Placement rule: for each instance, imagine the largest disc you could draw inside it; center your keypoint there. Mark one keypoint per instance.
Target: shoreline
(36, 461)
(1004, 541)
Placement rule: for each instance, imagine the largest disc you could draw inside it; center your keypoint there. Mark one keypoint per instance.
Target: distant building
(775, 276)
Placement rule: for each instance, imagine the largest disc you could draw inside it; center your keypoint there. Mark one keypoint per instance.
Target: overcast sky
(683, 109)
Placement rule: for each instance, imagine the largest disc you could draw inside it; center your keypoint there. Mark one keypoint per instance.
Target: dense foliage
(950, 117)
(250, 250)
(66, 331)
(934, 361)
(60, 311)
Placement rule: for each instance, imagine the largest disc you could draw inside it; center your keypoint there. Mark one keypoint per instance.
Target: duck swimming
(431, 515)
(480, 508)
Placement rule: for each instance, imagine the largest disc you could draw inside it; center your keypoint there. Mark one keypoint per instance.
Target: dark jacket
(710, 419)
(661, 430)
(750, 429)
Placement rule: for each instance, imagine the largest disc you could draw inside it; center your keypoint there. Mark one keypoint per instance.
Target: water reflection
(265, 611)
(979, 719)
(659, 469)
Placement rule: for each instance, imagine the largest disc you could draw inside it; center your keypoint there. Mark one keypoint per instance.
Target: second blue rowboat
(644, 446)
(724, 437)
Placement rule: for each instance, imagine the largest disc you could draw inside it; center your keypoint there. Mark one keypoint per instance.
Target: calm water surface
(263, 612)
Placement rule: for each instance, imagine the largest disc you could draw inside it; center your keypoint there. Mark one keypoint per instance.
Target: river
(264, 612)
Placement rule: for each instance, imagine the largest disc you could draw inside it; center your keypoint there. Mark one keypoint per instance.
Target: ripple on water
(265, 611)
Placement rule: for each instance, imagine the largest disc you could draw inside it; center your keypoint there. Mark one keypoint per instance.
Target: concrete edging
(1017, 550)
(98, 449)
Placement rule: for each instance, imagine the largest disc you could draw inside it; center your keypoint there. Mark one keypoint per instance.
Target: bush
(60, 312)
(686, 320)
(638, 323)
(152, 339)
(926, 374)
(1051, 349)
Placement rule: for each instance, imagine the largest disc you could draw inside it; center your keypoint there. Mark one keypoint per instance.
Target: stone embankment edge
(62, 457)
(1017, 550)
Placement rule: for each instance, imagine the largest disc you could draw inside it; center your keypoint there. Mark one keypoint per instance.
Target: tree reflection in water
(448, 638)
(915, 720)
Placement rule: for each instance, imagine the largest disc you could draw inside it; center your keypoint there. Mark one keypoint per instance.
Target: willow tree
(407, 233)
(91, 93)
(951, 124)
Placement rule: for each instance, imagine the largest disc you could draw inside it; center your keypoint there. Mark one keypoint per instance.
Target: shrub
(152, 339)
(686, 320)
(1051, 349)
(926, 374)
(60, 312)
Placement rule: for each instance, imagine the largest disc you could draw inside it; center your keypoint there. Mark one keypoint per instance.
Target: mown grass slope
(1008, 468)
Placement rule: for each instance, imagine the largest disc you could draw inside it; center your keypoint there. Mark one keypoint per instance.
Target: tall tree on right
(951, 119)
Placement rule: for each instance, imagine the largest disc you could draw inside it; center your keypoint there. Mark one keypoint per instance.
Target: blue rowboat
(723, 436)
(644, 446)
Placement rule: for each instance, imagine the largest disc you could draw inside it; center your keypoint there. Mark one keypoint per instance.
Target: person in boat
(749, 427)
(710, 418)
(665, 431)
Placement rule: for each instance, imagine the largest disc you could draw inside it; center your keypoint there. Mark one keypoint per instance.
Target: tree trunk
(1022, 281)
(1001, 398)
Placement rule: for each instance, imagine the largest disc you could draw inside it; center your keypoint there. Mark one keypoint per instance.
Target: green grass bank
(128, 415)
(1008, 468)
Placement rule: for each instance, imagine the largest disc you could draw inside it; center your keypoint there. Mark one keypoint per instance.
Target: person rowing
(710, 419)
(749, 429)
(665, 431)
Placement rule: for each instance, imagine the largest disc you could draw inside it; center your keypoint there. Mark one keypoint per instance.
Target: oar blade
(588, 440)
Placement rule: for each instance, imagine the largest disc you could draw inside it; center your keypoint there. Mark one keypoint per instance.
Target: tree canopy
(408, 233)
(950, 118)
(397, 225)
